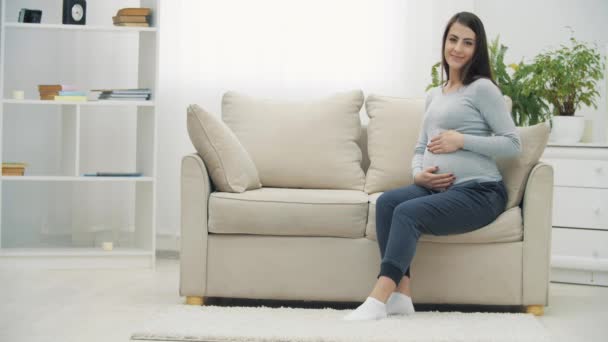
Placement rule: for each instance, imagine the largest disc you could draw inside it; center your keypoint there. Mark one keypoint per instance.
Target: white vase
(567, 129)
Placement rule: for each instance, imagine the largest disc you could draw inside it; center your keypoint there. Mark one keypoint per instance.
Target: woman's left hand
(446, 142)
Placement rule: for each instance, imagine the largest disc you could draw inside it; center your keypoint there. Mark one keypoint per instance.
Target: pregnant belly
(465, 165)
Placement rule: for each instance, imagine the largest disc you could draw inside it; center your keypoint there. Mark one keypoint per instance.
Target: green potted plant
(566, 78)
(527, 108)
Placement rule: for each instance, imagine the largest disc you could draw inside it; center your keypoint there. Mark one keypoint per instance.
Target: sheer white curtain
(286, 50)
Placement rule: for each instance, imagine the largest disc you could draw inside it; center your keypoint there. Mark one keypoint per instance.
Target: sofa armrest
(537, 218)
(196, 187)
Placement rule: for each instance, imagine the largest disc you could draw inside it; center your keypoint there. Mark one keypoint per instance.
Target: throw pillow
(228, 163)
(515, 171)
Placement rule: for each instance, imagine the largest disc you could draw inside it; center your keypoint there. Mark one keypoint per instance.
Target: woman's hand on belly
(446, 142)
(428, 179)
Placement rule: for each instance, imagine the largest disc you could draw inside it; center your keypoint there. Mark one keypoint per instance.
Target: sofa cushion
(283, 211)
(392, 131)
(508, 227)
(228, 163)
(306, 144)
(515, 170)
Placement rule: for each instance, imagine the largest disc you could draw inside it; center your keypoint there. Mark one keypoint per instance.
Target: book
(130, 19)
(124, 95)
(48, 95)
(13, 169)
(45, 88)
(48, 88)
(132, 24)
(12, 173)
(114, 174)
(138, 91)
(125, 90)
(133, 11)
(13, 165)
(70, 98)
(72, 93)
(93, 95)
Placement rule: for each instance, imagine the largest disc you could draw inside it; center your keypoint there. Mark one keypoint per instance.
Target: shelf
(73, 179)
(84, 103)
(75, 258)
(60, 27)
(92, 251)
(595, 144)
(54, 217)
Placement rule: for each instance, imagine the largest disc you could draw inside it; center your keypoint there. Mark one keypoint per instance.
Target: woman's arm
(422, 139)
(506, 141)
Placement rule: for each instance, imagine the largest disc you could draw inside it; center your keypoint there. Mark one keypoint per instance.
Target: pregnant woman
(457, 186)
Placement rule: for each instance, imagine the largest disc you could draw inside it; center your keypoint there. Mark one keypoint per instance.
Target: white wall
(287, 50)
(386, 47)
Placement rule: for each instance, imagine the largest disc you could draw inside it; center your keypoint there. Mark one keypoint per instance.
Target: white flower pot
(567, 129)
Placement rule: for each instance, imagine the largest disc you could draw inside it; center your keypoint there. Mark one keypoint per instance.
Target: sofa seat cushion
(288, 211)
(508, 227)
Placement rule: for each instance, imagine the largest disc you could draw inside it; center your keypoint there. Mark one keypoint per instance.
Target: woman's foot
(399, 304)
(371, 309)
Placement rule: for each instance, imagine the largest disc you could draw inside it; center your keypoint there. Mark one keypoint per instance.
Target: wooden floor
(106, 305)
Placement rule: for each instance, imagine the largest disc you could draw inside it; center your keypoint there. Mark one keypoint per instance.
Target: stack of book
(132, 17)
(13, 169)
(60, 92)
(140, 94)
(65, 92)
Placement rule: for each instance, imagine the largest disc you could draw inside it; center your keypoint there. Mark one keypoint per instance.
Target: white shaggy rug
(219, 323)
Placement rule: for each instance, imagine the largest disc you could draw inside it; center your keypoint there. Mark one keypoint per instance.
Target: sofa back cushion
(306, 144)
(515, 171)
(228, 163)
(392, 132)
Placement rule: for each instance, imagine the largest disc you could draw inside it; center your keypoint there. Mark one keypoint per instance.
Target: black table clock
(74, 12)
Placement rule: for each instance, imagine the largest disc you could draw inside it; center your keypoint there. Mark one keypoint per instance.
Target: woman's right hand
(428, 179)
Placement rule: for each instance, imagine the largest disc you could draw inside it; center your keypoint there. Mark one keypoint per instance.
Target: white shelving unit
(54, 216)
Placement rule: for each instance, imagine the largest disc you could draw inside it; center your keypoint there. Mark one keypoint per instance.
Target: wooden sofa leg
(536, 310)
(194, 300)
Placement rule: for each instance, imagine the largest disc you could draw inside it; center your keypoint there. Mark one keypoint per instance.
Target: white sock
(399, 304)
(371, 309)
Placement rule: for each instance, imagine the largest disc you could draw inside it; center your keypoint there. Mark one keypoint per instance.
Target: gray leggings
(403, 214)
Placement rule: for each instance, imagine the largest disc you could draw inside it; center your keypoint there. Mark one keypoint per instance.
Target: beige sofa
(298, 237)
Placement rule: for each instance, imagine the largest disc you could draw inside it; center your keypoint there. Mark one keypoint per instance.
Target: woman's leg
(385, 206)
(458, 210)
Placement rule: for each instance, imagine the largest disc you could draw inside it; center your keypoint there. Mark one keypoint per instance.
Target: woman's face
(459, 46)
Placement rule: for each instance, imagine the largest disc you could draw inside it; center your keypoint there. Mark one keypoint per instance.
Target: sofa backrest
(304, 144)
(392, 132)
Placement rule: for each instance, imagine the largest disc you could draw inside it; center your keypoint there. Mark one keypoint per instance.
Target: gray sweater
(480, 113)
